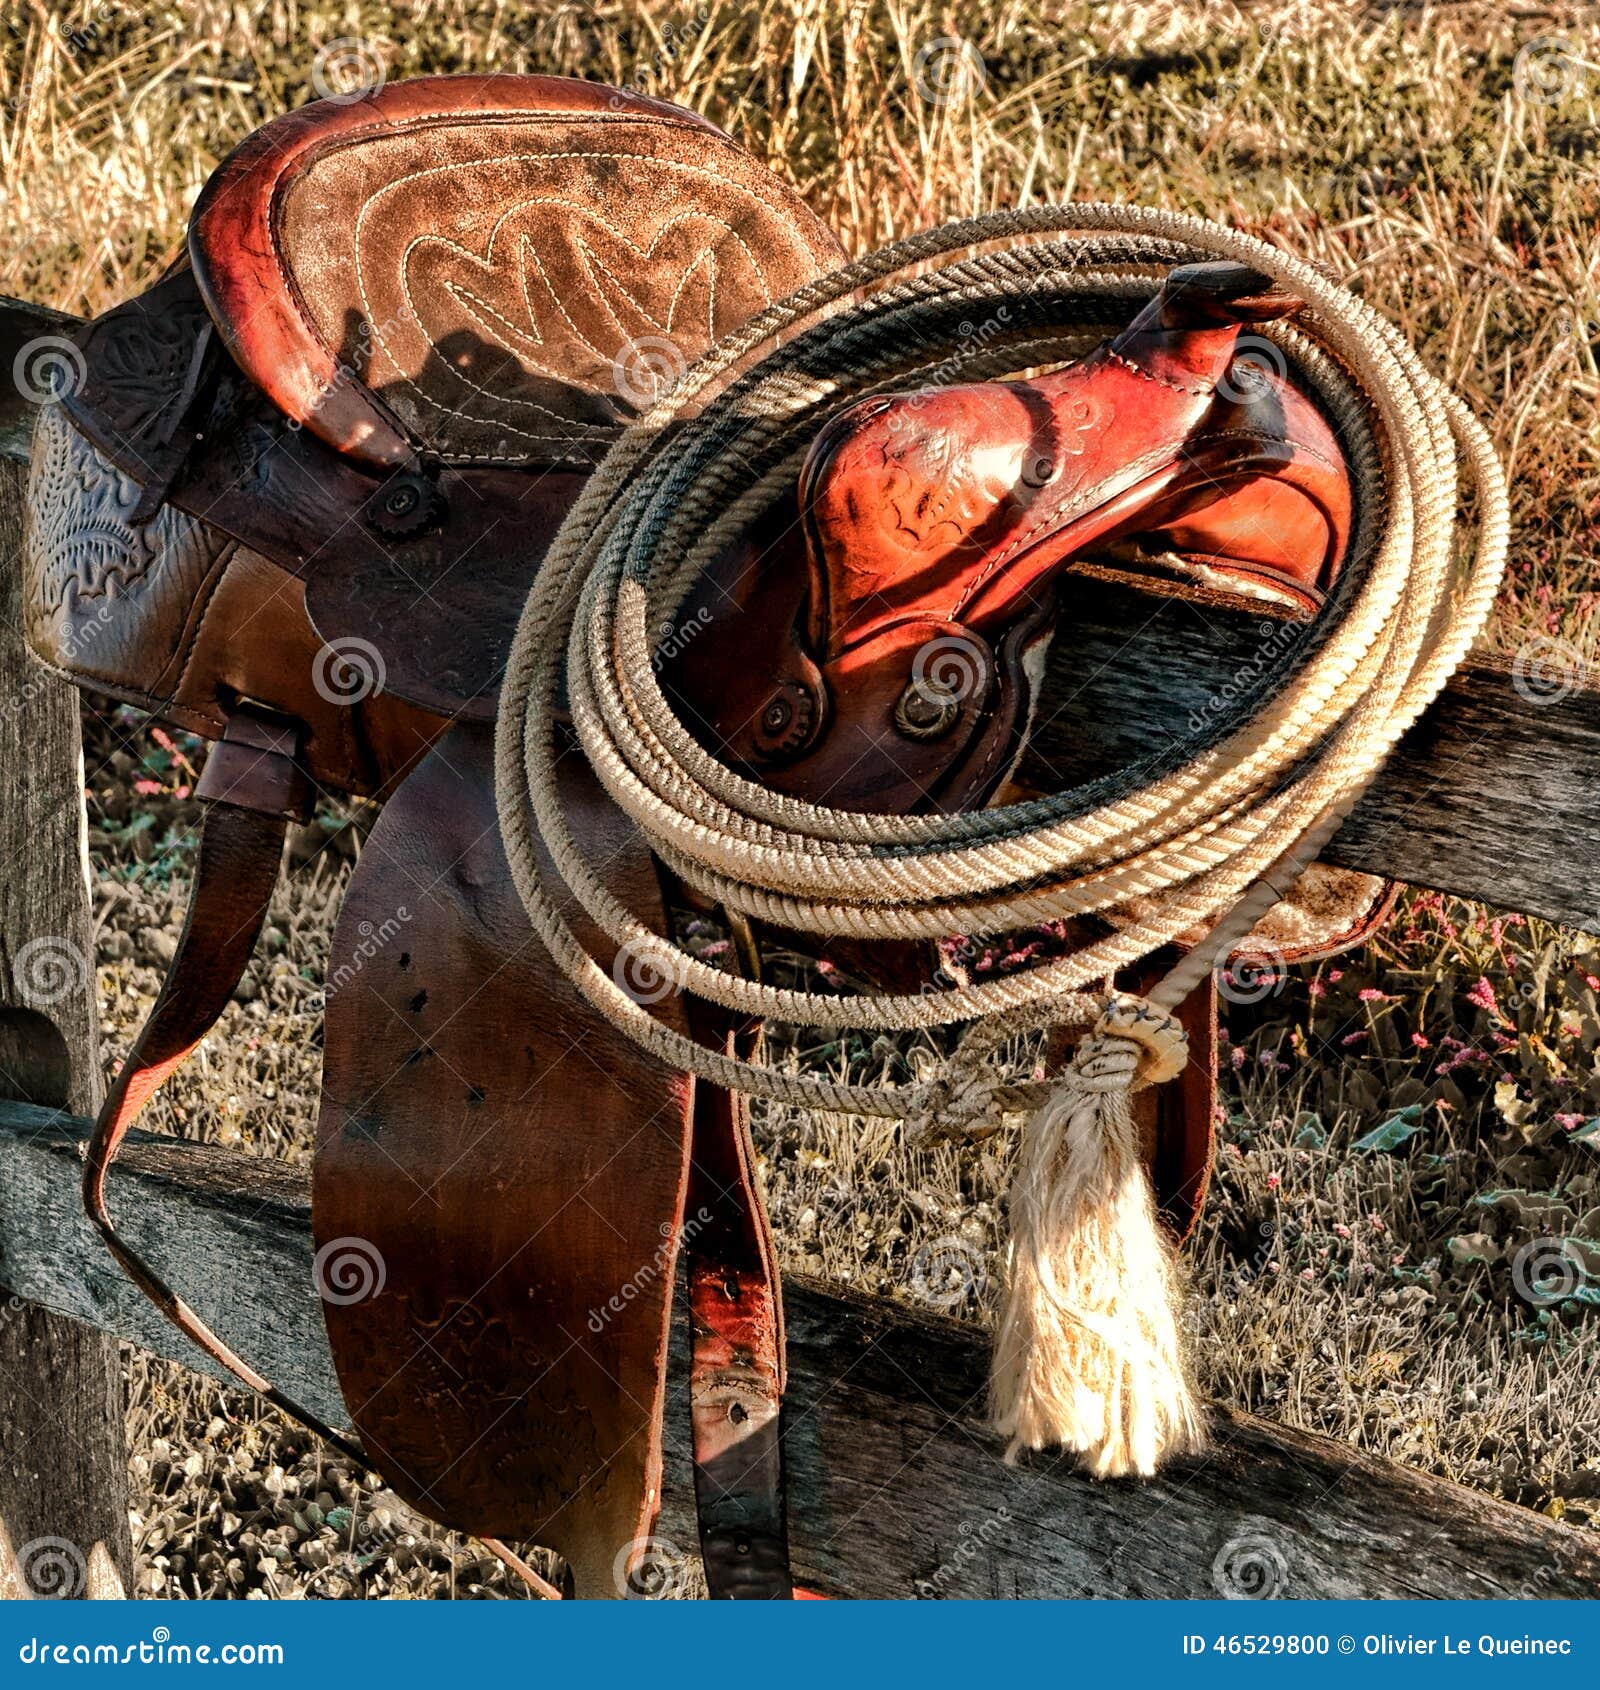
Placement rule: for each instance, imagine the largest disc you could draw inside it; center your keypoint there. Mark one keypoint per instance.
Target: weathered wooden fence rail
(897, 1490)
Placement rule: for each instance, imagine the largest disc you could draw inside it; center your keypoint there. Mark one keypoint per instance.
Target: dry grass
(1368, 1294)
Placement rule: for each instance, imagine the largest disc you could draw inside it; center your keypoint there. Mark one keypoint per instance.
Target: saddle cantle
(295, 507)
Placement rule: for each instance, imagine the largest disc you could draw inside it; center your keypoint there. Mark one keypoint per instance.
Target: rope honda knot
(1134, 1043)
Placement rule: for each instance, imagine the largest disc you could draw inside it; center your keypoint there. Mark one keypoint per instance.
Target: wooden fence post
(63, 1458)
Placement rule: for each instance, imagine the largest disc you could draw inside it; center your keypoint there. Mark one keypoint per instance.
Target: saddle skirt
(295, 506)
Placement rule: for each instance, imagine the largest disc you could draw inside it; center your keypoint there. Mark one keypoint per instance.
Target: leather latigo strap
(252, 787)
(736, 1374)
(508, 1173)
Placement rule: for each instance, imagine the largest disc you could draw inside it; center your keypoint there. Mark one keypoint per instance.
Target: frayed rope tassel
(1088, 1354)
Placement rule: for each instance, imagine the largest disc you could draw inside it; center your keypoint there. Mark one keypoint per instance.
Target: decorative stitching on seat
(577, 206)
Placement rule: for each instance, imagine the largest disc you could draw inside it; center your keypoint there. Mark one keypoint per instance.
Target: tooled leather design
(140, 354)
(509, 334)
(941, 487)
(677, 286)
(105, 598)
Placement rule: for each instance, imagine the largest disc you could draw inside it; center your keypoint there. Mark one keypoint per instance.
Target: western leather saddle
(294, 507)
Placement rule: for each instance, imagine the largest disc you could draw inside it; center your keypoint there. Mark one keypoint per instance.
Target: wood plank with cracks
(896, 1489)
(63, 1456)
(1493, 795)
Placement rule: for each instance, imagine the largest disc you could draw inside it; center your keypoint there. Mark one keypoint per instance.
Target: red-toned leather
(934, 526)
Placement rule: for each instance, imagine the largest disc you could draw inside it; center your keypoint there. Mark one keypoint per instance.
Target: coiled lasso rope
(1203, 835)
